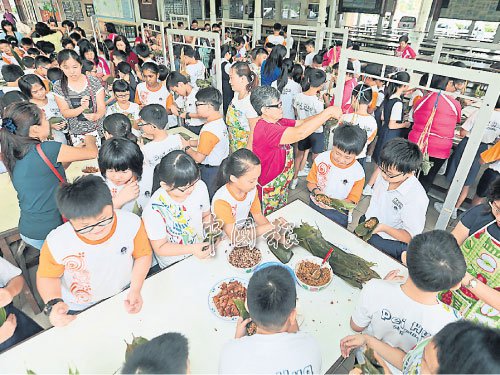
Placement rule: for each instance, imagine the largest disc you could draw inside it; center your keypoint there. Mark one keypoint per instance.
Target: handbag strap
(91, 92)
(49, 163)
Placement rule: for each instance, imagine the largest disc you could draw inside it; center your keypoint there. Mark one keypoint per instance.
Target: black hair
(124, 67)
(12, 41)
(26, 83)
(12, 72)
(26, 41)
(151, 66)
(242, 69)
(373, 69)
(180, 23)
(54, 74)
(42, 29)
(494, 191)
(108, 43)
(237, 164)
(163, 72)
(363, 93)
(176, 169)
(275, 59)
(52, 19)
(120, 85)
(42, 61)
(226, 48)
(120, 55)
(349, 138)
(174, 78)
(81, 31)
(86, 46)
(47, 48)
(403, 38)
(392, 87)
(211, 96)
(3, 41)
(121, 38)
(297, 73)
(313, 78)
(402, 155)
(86, 197)
(464, 347)
(63, 56)
(11, 97)
(110, 28)
(15, 141)
(66, 41)
(87, 66)
(258, 51)
(239, 40)
(119, 126)
(439, 82)
(189, 51)
(33, 51)
(8, 23)
(120, 153)
(29, 62)
(75, 36)
(277, 26)
(435, 261)
(455, 80)
(68, 23)
(317, 59)
(154, 114)
(309, 42)
(142, 50)
(271, 297)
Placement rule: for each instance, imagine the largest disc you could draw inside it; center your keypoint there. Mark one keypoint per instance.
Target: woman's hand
(85, 102)
(92, 117)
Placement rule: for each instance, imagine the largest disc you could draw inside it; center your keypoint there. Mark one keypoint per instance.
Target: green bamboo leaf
(3, 315)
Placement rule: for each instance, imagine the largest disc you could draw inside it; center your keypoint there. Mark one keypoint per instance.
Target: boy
(67, 43)
(403, 314)
(213, 145)
(121, 91)
(376, 84)
(317, 64)
(165, 354)
(95, 255)
(337, 174)
(18, 326)
(29, 64)
(310, 49)
(185, 103)
(8, 55)
(194, 67)
(118, 57)
(33, 52)
(258, 55)
(54, 74)
(42, 65)
(142, 50)
(11, 75)
(276, 37)
(278, 347)
(241, 51)
(154, 125)
(399, 201)
(26, 44)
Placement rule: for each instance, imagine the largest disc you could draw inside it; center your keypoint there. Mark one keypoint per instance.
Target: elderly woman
(272, 140)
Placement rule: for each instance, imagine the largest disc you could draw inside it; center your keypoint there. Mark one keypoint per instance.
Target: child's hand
(59, 315)
(406, 124)
(201, 250)
(129, 192)
(241, 327)
(175, 110)
(8, 328)
(133, 303)
(59, 126)
(348, 343)
(183, 115)
(185, 142)
(394, 276)
(319, 204)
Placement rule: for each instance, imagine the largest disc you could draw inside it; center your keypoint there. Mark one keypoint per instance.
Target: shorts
(489, 176)
(315, 142)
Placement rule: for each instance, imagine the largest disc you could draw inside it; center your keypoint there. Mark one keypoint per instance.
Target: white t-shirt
(280, 353)
(356, 65)
(309, 58)
(144, 96)
(188, 105)
(492, 131)
(132, 112)
(291, 89)
(239, 112)
(51, 109)
(7, 272)
(307, 106)
(180, 223)
(220, 151)
(402, 208)
(365, 122)
(196, 71)
(115, 189)
(397, 110)
(415, 94)
(275, 39)
(393, 317)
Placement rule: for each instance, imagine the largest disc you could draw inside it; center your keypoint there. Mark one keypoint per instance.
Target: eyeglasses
(279, 105)
(140, 124)
(90, 228)
(184, 189)
(122, 96)
(200, 103)
(494, 209)
(389, 176)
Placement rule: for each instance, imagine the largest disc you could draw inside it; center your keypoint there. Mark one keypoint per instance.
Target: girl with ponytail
(288, 84)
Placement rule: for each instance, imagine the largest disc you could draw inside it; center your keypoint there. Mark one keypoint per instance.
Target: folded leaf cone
(365, 230)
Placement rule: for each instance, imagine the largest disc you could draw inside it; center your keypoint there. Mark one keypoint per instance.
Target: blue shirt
(266, 80)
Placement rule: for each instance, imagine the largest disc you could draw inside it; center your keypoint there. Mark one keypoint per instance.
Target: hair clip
(9, 125)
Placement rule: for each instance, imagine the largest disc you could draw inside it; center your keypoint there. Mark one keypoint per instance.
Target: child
(403, 314)
(121, 92)
(404, 50)
(349, 85)
(337, 174)
(142, 50)
(185, 103)
(213, 145)
(399, 201)
(271, 301)
(288, 84)
(154, 126)
(54, 74)
(42, 65)
(26, 44)
(89, 68)
(165, 354)
(125, 73)
(258, 55)
(307, 104)
(237, 196)
(117, 125)
(375, 83)
(95, 255)
(33, 52)
(67, 43)
(391, 121)
(8, 55)
(151, 91)
(177, 210)
(276, 38)
(361, 98)
(317, 62)
(120, 163)
(11, 74)
(311, 52)
(29, 64)
(194, 67)
(241, 51)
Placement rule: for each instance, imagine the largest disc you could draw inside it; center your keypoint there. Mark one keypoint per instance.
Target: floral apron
(238, 136)
(482, 254)
(275, 192)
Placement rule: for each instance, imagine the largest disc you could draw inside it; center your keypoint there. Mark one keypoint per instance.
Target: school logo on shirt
(305, 371)
(323, 170)
(398, 205)
(80, 286)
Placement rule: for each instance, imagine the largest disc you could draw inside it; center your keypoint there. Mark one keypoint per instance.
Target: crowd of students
(68, 98)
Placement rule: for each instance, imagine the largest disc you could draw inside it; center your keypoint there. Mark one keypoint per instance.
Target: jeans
(334, 215)
(25, 328)
(37, 244)
(392, 248)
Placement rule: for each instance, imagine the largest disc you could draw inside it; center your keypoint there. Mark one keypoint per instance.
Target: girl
(9, 29)
(174, 217)
(237, 195)
(123, 105)
(241, 117)
(307, 104)
(117, 125)
(33, 87)
(227, 53)
(126, 73)
(272, 66)
(391, 120)
(289, 86)
(151, 91)
(89, 68)
(120, 163)
(89, 52)
(404, 50)
(111, 30)
(122, 44)
(22, 139)
(76, 95)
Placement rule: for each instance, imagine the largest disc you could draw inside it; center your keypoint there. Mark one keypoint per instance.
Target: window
(312, 11)
(236, 9)
(268, 9)
(290, 9)
(196, 11)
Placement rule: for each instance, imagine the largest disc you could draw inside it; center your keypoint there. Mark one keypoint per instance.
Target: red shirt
(346, 95)
(406, 53)
(266, 145)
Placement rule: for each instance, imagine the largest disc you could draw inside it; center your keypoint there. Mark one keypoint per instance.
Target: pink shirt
(102, 67)
(406, 53)
(332, 56)
(346, 95)
(448, 114)
(266, 145)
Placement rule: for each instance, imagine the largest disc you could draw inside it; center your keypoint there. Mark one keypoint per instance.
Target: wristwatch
(188, 117)
(186, 148)
(472, 284)
(312, 191)
(49, 305)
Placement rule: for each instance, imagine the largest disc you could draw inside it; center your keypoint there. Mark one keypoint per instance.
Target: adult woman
(241, 117)
(89, 52)
(111, 30)
(24, 127)
(272, 139)
(9, 29)
(80, 98)
(404, 50)
(45, 33)
(227, 53)
(271, 67)
(434, 121)
(122, 44)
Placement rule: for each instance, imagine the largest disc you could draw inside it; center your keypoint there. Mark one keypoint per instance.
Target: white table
(176, 299)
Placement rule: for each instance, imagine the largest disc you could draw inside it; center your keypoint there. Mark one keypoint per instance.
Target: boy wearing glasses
(399, 201)
(121, 91)
(213, 145)
(95, 255)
